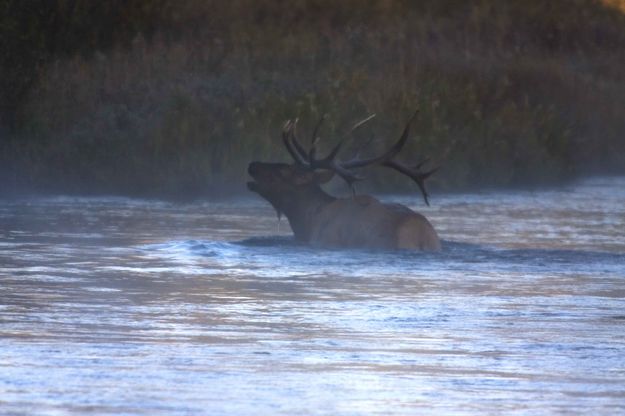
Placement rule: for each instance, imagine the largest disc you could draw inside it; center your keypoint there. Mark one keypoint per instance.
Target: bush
(180, 99)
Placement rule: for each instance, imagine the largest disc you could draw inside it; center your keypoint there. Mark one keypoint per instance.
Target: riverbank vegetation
(172, 98)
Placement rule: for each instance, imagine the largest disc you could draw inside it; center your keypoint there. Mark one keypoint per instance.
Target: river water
(122, 306)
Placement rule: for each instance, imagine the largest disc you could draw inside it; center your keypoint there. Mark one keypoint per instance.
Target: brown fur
(363, 221)
(322, 220)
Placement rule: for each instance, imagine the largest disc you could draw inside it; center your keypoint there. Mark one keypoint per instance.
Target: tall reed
(510, 93)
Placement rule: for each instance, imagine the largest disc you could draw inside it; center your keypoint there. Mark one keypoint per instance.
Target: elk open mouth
(252, 186)
(252, 170)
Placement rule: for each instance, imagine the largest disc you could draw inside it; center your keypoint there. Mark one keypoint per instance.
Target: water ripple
(122, 306)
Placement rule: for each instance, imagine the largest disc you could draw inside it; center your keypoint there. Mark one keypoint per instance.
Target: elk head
(287, 184)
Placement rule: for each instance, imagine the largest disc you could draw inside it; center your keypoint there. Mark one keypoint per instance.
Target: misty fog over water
(122, 306)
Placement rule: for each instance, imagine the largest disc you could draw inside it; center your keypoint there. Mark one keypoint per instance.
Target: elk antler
(344, 169)
(314, 139)
(388, 155)
(413, 173)
(329, 162)
(291, 144)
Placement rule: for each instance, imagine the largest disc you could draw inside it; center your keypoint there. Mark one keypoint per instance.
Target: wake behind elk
(360, 221)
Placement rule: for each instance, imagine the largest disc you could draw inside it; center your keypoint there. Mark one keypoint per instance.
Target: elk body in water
(323, 220)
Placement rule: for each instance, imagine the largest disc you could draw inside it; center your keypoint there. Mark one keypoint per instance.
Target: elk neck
(301, 206)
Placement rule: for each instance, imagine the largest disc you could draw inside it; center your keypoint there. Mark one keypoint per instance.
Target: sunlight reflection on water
(113, 305)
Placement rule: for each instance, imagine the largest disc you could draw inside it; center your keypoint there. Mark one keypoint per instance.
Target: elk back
(365, 222)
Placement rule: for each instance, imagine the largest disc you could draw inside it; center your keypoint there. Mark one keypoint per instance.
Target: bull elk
(359, 221)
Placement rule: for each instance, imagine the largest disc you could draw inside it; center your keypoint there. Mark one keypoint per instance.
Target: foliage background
(173, 98)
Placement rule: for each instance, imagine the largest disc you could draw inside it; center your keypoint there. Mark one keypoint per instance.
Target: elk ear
(323, 176)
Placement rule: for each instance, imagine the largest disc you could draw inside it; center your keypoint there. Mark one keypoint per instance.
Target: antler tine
(388, 155)
(338, 146)
(300, 149)
(287, 134)
(413, 173)
(286, 127)
(360, 123)
(335, 150)
(314, 139)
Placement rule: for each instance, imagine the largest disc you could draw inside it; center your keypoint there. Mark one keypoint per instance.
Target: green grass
(510, 93)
